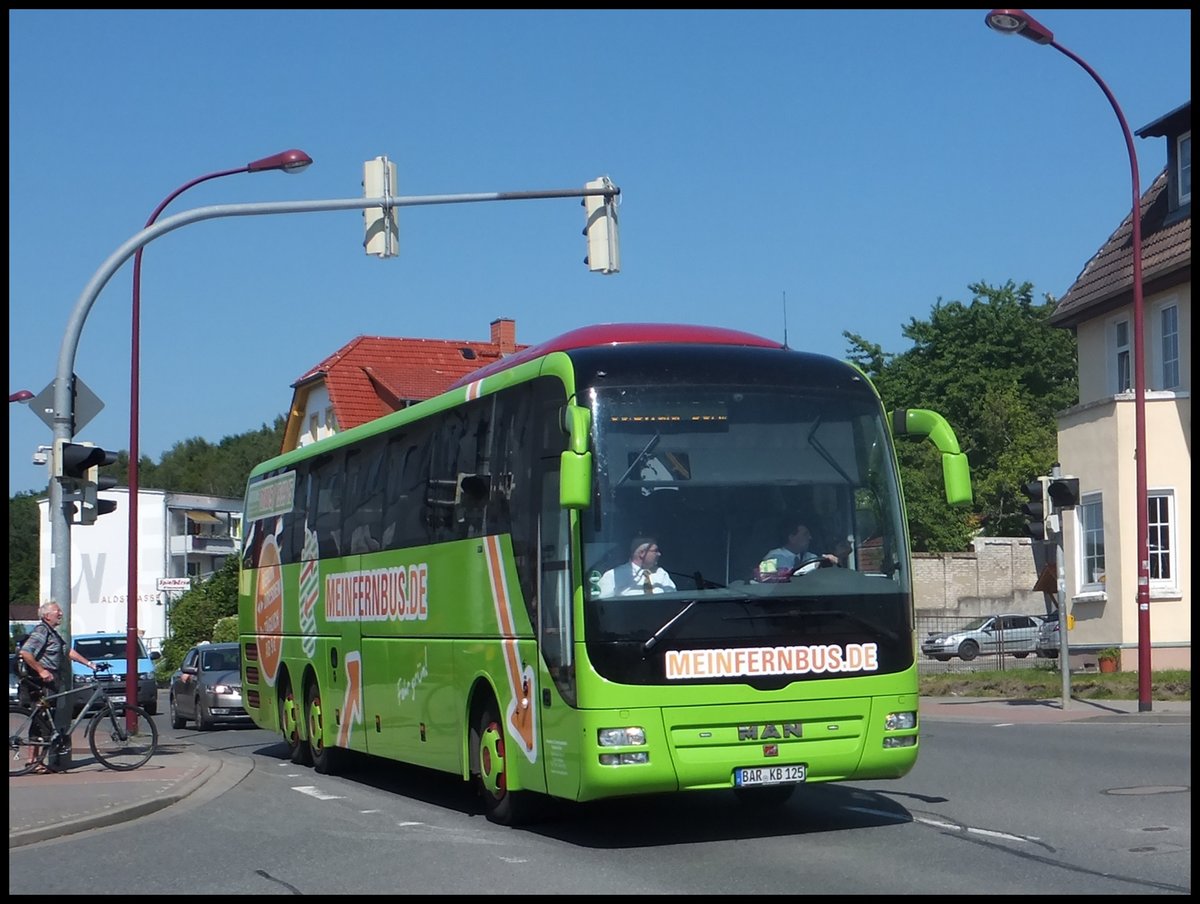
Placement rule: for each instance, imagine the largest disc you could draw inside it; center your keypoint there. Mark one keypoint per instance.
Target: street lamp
(292, 161)
(21, 395)
(1019, 22)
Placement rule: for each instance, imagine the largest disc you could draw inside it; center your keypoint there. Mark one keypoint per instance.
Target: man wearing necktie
(640, 575)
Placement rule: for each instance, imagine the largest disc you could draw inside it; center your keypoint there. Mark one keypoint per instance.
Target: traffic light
(93, 507)
(74, 461)
(78, 465)
(603, 242)
(1063, 492)
(381, 225)
(1035, 509)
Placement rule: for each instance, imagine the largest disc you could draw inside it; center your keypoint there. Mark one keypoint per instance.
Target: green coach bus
(430, 587)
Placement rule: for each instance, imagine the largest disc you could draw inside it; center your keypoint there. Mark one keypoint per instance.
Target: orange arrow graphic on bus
(352, 709)
(520, 679)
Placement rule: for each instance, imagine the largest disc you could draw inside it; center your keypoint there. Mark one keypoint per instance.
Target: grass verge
(1044, 683)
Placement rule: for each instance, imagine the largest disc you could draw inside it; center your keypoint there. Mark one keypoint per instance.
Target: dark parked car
(207, 687)
(14, 682)
(1014, 635)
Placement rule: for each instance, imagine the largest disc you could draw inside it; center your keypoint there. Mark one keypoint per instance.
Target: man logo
(772, 731)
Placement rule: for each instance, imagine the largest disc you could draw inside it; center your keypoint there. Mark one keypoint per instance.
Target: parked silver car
(1008, 634)
(207, 687)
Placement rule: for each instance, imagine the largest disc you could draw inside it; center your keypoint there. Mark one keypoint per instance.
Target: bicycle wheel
(28, 739)
(114, 745)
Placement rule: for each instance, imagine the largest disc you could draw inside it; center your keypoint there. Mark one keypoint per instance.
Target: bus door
(555, 703)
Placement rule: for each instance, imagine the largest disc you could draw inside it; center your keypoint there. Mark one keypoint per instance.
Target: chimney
(504, 334)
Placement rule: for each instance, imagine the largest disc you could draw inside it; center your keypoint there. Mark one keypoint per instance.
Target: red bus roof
(619, 334)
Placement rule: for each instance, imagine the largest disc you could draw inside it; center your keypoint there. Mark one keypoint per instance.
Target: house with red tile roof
(371, 376)
(1096, 437)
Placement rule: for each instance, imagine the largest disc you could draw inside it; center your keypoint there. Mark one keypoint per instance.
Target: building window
(1121, 357)
(1184, 176)
(1168, 324)
(1160, 508)
(1091, 539)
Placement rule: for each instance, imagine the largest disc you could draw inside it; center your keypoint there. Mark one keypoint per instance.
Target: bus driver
(640, 575)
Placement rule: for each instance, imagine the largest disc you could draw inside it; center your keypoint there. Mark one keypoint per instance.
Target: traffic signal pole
(1064, 603)
(63, 415)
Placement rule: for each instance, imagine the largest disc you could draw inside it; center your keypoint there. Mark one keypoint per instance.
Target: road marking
(314, 791)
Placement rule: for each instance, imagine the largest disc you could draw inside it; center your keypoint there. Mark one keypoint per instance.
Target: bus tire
(490, 771)
(289, 724)
(324, 758)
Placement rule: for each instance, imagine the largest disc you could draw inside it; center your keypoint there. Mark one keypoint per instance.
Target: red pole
(1017, 21)
(288, 161)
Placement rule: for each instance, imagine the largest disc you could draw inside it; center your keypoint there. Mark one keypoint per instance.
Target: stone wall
(996, 577)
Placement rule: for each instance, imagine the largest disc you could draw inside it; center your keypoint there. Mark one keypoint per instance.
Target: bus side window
(407, 473)
(325, 503)
(364, 497)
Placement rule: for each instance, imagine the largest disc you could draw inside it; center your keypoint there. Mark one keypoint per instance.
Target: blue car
(111, 649)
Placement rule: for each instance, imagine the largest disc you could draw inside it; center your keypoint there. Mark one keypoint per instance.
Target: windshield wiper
(638, 459)
(657, 635)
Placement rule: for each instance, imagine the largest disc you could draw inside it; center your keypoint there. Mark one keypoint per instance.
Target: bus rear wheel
(491, 770)
(289, 724)
(325, 758)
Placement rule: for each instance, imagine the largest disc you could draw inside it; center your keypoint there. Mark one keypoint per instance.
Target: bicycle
(32, 735)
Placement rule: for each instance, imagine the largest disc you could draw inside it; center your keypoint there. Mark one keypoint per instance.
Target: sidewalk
(89, 796)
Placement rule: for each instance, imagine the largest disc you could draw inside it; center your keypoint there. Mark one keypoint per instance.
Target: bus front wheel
(491, 771)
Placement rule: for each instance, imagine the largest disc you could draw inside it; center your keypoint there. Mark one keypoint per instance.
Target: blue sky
(862, 164)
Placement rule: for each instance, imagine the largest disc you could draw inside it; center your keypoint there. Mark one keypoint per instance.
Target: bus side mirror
(956, 472)
(575, 473)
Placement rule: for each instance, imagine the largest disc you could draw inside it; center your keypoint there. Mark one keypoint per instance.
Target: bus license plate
(769, 775)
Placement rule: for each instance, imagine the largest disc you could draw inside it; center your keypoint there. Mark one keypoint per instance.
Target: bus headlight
(900, 721)
(620, 737)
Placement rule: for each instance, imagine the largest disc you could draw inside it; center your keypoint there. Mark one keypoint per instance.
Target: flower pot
(1107, 665)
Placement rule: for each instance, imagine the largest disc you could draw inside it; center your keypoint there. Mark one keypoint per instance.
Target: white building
(180, 535)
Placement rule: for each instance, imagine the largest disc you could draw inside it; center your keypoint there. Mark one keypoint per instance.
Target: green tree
(999, 373)
(23, 548)
(198, 466)
(225, 630)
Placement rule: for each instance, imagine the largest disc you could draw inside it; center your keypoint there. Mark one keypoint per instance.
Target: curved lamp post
(1019, 22)
(292, 161)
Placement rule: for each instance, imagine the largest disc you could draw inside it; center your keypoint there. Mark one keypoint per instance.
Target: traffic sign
(87, 405)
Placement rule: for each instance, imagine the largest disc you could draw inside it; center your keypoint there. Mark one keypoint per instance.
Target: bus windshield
(718, 478)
